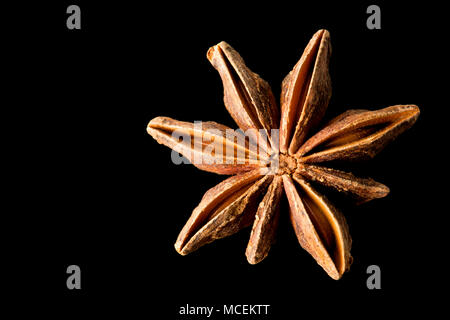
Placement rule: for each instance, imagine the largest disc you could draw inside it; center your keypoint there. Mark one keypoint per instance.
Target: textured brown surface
(266, 222)
(305, 94)
(321, 229)
(247, 97)
(372, 131)
(254, 193)
(211, 200)
(229, 217)
(363, 188)
(163, 128)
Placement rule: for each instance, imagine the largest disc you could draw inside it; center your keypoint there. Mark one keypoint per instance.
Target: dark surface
(107, 197)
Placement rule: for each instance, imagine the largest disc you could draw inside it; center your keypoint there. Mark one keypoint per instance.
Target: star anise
(252, 195)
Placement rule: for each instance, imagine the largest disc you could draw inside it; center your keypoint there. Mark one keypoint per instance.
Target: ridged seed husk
(266, 223)
(253, 195)
(224, 210)
(247, 97)
(320, 228)
(305, 93)
(363, 189)
(359, 135)
(208, 146)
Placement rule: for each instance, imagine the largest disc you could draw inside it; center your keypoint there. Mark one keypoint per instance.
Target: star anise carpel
(281, 151)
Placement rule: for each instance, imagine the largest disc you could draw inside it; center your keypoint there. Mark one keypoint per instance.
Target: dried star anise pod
(252, 195)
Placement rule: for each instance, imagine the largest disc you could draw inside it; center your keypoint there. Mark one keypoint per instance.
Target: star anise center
(286, 164)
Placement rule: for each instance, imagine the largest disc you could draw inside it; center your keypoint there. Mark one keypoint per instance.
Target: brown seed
(248, 98)
(360, 135)
(254, 193)
(208, 145)
(224, 210)
(361, 188)
(320, 228)
(305, 94)
(266, 222)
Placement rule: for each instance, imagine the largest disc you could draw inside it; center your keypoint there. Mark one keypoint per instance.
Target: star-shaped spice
(265, 161)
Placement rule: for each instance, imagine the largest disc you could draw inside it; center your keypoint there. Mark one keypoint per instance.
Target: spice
(253, 194)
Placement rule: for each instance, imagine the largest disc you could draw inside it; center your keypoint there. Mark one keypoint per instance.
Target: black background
(95, 190)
